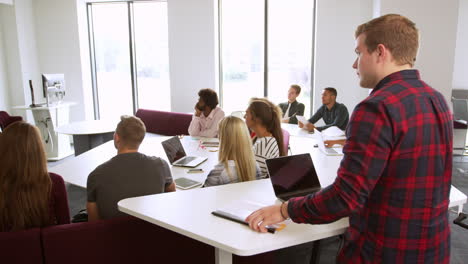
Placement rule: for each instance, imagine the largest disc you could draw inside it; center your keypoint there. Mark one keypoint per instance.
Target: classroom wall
(460, 69)
(335, 49)
(437, 23)
(4, 95)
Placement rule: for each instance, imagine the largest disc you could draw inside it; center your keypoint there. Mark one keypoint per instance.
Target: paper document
(302, 119)
(239, 210)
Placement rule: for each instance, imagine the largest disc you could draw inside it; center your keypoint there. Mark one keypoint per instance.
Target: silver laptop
(327, 151)
(176, 154)
(293, 176)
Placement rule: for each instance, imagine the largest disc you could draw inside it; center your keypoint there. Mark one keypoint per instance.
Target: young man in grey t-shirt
(129, 174)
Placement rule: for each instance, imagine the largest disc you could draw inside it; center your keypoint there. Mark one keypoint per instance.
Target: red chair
(21, 246)
(6, 119)
(286, 140)
(165, 123)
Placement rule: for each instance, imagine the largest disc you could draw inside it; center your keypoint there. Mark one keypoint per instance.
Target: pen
(269, 229)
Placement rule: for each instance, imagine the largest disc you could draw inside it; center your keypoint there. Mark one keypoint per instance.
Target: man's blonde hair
(236, 144)
(397, 33)
(131, 131)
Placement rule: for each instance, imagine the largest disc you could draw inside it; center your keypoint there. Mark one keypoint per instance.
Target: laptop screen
(174, 149)
(292, 174)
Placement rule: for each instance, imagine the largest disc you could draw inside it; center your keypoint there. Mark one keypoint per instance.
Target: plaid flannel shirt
(395, 177)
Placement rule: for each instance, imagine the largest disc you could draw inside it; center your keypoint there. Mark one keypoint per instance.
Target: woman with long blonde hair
(29, 196)
(236, 158)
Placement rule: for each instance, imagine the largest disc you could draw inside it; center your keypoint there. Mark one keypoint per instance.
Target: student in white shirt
(264, 118)
(236, 158)
(207, 115)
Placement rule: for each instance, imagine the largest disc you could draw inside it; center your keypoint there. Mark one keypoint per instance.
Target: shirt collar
(400, 75)
(210, 116)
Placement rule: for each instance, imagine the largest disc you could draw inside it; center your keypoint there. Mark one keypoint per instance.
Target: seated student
(263, 118)
(207, 115)
(236, 158)
(129, 174)
(332, 112)
(292, 107)
(29, 196)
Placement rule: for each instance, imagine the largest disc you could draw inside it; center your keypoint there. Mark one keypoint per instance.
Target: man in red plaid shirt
(395, 176)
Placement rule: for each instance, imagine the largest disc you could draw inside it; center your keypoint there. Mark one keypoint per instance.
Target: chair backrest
(6, 119)
(120, 240)
(286, 140)
(165, 123)
(21, 246)
(460, 109)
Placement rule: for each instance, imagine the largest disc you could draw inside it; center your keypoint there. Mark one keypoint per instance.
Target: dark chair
(120, 240)
(21, 246)
(165, 123)
(6, 119)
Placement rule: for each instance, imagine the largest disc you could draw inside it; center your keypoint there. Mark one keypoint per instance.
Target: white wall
(437, 22)
(4, 95)
(9, 2)
(460, 71)
(192, 52)
(58, 48)
(336, 22)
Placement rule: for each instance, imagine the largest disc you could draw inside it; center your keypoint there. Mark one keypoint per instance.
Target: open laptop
(176, 154)
(327, 151)
(293, 176)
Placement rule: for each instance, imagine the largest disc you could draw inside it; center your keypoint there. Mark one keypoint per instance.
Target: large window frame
(132, 46)
(265, 53)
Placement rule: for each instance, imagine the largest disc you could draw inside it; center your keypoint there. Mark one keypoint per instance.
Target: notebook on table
(176, 154)
(327, 151)
(293, 176)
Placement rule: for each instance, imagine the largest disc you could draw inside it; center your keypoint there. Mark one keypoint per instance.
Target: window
(129, 55)
(266, 45)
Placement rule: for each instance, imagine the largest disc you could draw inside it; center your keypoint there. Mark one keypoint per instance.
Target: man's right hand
(310, 127)
(300, 124)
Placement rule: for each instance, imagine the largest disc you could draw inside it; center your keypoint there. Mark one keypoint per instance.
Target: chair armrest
(459, 220)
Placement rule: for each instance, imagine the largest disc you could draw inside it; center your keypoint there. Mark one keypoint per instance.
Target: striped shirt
(219, 175)
(265, 148)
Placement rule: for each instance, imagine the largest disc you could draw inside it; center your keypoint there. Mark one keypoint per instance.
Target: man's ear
(382, 51)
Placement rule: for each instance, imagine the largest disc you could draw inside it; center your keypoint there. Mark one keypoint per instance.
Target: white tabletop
(45, 107)
(89, 127)
(189, 213)
(75, 170)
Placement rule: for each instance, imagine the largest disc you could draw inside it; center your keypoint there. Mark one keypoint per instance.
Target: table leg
(315, 258)
(222, 256)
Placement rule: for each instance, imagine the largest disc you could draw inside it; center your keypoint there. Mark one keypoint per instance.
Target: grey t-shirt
(124, 176)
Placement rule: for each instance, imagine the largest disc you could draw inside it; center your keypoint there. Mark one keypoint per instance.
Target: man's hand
(330, 143)
(310, 127)
(300, 124)
(265, 216)
(285, 120)
(197, 111)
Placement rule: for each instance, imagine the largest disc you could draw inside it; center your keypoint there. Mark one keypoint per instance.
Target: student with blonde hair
(29, 196)
(264, 118)
(236, 158)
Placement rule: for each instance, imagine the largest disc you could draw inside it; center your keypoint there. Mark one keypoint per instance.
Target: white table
(189, 212)
(76, 169)
(88, 134)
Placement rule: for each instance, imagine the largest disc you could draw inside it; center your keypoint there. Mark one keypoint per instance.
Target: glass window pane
(290, 28)
(152, 59)
(111, 40)
(242, 32)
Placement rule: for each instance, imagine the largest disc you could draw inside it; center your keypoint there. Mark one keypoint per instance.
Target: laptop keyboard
(331, 151)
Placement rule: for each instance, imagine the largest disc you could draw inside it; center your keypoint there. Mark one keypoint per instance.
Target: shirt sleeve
(61, 210)
(316, 117)
(340, 121)
(366, 153)
(166, 172)
(91, 187)
(214, 177)
(194, 127)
